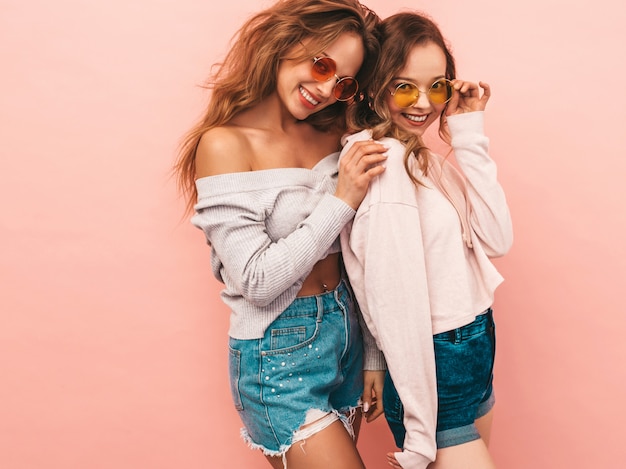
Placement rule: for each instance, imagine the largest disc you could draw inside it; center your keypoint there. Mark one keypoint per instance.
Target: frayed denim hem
(300, 435)
(347, 418)
(266, 451)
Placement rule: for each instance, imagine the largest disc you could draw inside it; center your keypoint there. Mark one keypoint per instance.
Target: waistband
(483, 322)
(315, 304)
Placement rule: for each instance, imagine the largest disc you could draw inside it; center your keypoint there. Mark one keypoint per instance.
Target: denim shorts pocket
(290, 338)
(287, 337)
(234, 366)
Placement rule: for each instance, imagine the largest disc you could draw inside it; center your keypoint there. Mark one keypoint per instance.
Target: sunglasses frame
(332, 74)
(428, 92)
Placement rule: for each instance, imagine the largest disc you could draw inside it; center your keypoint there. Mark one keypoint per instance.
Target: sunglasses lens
(323, 69)
(440, 92)
(406, 95)
(346, 89)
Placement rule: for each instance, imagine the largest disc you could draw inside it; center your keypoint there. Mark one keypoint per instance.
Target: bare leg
(331, 447)
(471, 455)
(276, 462)
(483, 425)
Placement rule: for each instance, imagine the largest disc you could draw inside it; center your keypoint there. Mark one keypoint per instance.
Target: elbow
(498, 239)
(500, 246)
(262, 283)
(497, 252)
(258, 291)
(257, 296)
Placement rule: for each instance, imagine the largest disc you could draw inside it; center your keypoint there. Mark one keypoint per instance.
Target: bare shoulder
(222, 150)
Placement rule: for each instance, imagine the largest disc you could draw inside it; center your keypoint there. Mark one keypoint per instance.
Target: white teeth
(308, 97)
(415, 118)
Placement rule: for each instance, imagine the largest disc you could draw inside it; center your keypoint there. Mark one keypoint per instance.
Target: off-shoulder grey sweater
(267, 229)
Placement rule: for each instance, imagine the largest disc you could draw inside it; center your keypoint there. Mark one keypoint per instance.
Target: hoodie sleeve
(391, 287)
(490, 218)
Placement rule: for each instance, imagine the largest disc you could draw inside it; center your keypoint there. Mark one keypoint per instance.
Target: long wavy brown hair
(398, 35)
(248, 73)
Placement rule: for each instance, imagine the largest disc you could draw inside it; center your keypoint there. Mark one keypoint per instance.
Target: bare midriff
(325, 276)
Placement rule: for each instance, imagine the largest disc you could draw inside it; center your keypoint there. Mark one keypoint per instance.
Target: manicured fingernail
(366, 406)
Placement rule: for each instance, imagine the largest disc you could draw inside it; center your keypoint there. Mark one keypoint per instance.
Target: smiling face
(301, 94)
(425, 64)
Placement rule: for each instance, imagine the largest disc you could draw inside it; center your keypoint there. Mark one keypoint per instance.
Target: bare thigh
(483, 425)
(471, 455)
(331, 447)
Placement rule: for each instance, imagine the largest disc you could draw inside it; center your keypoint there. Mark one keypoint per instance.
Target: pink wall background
(112, 336)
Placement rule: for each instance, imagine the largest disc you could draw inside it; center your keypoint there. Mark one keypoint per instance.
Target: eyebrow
(413, 81)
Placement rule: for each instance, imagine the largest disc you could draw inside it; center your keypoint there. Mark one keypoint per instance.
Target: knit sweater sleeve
(490, 218)
(373, 357)
(259, 267)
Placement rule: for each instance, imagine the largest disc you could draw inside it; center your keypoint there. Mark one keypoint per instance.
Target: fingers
(453, 104)
(361, 163)
(373, 382)
(366, 398)
(467, 97)
(486, 88)
(375, 411)
(465, 88)
(363, 155)
(392, 461)
(366, 162)
(372, 408)
(486, 92)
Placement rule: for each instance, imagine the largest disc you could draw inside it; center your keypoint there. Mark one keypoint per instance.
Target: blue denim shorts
(464, 360)
(310, 358)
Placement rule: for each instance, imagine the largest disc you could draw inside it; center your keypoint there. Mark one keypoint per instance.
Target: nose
(422, 100)
(326, 88)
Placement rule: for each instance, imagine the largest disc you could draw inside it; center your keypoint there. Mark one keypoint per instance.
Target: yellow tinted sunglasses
(406, 94)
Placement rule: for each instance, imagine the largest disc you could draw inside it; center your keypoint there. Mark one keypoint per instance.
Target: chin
(418, 132)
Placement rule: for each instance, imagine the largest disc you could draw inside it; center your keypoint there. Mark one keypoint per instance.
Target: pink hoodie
(418, 260)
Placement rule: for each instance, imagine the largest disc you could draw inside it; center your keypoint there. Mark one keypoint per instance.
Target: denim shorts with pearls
(310, 358)
(464, 360)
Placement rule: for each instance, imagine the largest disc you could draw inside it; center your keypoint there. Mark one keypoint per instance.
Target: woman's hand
(361, 163)
(392, 461)
(466, 97)
(372, 398)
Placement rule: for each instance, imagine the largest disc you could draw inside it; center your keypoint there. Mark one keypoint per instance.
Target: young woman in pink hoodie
(418, 250)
